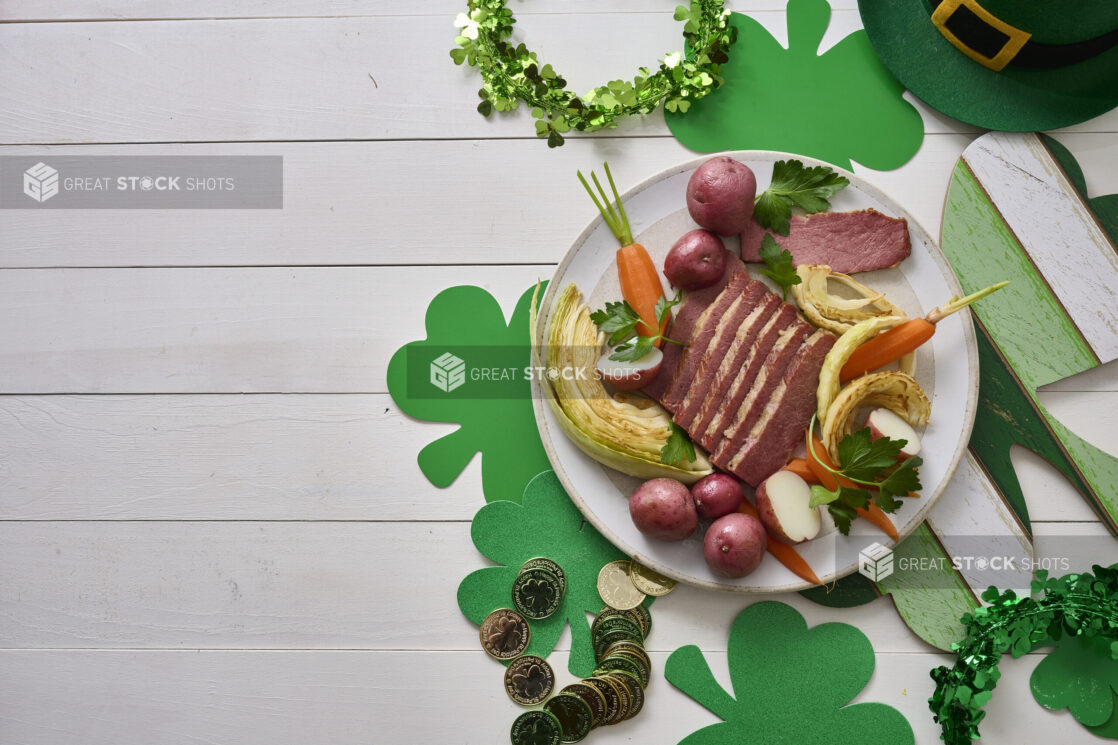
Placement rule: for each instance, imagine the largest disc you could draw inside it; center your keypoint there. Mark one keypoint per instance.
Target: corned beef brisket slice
(712, 336)
(734, 388)
(739, 420)
(781, 426)
(684, 317)
(848, 242)
(721, 367)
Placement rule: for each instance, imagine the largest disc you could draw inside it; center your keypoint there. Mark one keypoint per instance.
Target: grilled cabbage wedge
(834, 312)
(893, 390)
(626, 431)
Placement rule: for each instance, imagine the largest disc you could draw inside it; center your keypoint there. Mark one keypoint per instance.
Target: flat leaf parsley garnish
(678, 448)
(870, 463)
(619, 320)
(780, 268)
(794, 184)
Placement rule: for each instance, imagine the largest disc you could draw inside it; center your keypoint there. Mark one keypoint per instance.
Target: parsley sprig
(870, 463)
(793, 184)
(619, 320)
(678, 448)
(780, 268)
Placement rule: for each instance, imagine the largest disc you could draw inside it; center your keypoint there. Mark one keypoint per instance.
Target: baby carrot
(640, 284)
(877, 516)
(800, 467)
(785, 554)
(822, 458)
(830, 481)
(890, 346)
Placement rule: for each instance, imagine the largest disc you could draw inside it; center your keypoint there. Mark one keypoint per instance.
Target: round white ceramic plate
(947, 369)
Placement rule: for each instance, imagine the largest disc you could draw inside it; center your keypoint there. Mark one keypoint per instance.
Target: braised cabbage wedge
(624, 431)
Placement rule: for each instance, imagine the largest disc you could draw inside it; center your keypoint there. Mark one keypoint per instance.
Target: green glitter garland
(512, 74)
(1073, 605)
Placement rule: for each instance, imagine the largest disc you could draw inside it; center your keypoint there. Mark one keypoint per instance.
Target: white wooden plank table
(212, 526)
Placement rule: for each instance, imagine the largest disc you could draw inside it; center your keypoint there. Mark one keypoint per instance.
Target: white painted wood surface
(212, 527)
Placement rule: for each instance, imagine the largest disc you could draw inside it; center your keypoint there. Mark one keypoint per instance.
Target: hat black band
(987, 41)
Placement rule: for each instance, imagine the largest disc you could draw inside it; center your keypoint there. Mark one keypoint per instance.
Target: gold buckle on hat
(1005, 55)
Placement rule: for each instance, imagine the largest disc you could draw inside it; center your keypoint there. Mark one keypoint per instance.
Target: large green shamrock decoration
(792, 684)
(496, 417)
(545, 523)
(1080, 675)
(838, 106)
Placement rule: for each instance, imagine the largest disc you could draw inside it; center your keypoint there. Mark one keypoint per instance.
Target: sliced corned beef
(726, 395)
(847, 242)
(725, 323)
(768, 377)
(781, 426)
(701, 335)
(683, 322)
(722, 369)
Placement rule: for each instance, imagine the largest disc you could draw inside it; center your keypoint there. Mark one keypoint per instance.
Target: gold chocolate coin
(504, 634)
(529, 680)
(611, 696)
(648, 581)
(615, 587)
(573, 714)
(594, 698)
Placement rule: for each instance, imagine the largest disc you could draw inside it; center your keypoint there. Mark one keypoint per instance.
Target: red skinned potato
(663, 509)
(629, 376)
(734, 545)
(783, 501)
(884, 423)
(720, 195)
(696, 261)
(716, 495)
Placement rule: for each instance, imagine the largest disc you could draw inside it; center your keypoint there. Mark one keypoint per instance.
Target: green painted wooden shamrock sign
(791, 684)
(838, 106)
(1055, 319)
(545, 523)
(429, 380)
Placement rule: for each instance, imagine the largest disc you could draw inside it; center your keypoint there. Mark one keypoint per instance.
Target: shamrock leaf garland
(792, 684)
(544, 523)
(468, 323)
(838, 106)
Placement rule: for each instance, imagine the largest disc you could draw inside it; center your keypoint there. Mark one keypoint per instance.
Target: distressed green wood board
(1017, 209)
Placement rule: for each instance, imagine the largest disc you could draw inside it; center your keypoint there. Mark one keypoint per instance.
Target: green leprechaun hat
(1014, 65)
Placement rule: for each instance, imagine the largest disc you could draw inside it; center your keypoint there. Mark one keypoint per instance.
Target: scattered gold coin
(615, 587)
(648, 581)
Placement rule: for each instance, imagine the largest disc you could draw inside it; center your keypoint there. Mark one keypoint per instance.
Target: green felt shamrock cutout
(466, 325)
(838, 106)
(545, 523)
(792, 684)
(1080, 675)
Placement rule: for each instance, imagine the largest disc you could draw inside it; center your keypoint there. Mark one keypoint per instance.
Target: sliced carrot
(800, 467)
(888, 346)
(873, 513)
(640, 285)
(785, 554)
